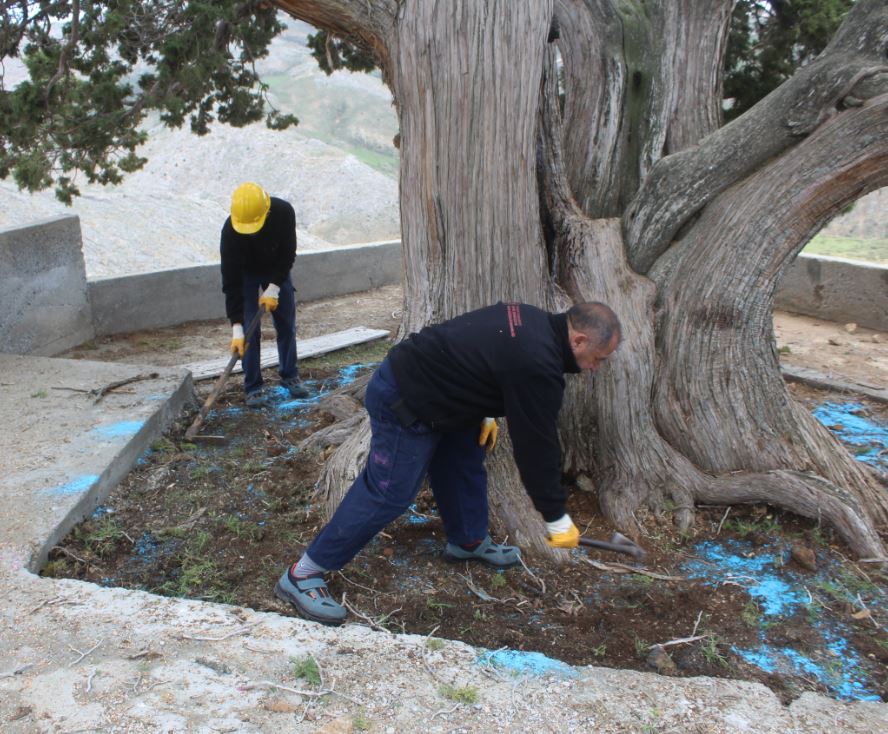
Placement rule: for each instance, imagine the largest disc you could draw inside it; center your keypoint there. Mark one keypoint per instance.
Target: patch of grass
(104, 538)
(434, 644)
(196, 574)
(241, 528)
(712, 654)
(599, 651)
(40, 394)
(640, 578)
(201, 471)
(641, 647)
(361, 723)
(766, 525)
(437, 606)
(306, 669)
(785, 350)
(464, 694)
(163, 445)
(750, 614)
(57, 568)
(856, 248)
(497, 581)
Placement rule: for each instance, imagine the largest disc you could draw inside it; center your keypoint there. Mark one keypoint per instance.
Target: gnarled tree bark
(637, 198)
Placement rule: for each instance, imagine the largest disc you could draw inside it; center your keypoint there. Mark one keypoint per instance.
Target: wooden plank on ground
(305, 348)
(837, 384)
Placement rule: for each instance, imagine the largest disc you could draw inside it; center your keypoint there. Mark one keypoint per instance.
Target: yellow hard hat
(249, 208)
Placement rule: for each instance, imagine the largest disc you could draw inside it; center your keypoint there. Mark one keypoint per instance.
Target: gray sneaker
(311, 598)
(294, 387)
(255, 399)
(488, 552)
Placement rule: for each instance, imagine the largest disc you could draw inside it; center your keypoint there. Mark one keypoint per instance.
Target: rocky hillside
(337, 167)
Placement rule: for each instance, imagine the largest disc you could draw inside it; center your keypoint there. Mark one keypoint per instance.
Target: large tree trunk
(637, 198)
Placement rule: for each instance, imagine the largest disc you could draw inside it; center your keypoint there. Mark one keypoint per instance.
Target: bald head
(597, 322)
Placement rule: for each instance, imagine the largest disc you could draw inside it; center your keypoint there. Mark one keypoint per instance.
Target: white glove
(269, 297)
(563, 533)
(237, 339)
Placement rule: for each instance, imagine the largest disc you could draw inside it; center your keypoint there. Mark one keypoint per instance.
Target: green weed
(361, 723)
(40, 394)
(56, 569)
(437, 606)
(640, 578)
(785, 350)
(241, 528)
(434, 644)
(163, 445)
(712, 654)
(751, 614)
(307, 669)
(465, 694)
(104, 538)
(641, 647)
(201, 471)
(497, 581)
(599, 651)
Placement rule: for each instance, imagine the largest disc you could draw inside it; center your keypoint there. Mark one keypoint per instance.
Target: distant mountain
(338, 168)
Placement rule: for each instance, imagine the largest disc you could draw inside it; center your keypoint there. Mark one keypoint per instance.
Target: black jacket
(269, 253)
(504, 360)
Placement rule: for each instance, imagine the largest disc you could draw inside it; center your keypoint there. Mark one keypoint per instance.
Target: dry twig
(240, 631)
(83, 654)
(624, 568)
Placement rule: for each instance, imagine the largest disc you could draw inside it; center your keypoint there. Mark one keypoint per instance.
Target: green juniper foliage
(95, 69)
(770, 39)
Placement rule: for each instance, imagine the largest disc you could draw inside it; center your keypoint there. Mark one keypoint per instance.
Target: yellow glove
(489, 431)
(563, 533)
(269, 297)
(237, 340)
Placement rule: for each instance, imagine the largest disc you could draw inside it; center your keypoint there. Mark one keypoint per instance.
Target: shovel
(618, 544)
(191, 433)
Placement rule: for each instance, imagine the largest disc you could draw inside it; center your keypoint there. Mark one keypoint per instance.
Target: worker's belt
(405, 416)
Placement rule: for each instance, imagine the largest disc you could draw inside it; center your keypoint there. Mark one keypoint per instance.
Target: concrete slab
(64, 448)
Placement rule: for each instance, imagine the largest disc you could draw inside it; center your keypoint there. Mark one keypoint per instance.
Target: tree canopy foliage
(96, 68)
(770, 39)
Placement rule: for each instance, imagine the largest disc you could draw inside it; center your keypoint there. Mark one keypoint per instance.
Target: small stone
(337, 726)
(851, 328)
(804, 556)
(660, 661)
(834, 342)
(388, 552)
(875, 339)
(280, 706)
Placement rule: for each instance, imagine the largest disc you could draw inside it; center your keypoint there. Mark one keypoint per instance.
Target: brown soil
(222, 523)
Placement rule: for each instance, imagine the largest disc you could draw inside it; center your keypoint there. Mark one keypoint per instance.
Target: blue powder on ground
(869, 436)
(780, 592)
(122, 429)
(75, 486)
(531, 663)
(100, 511)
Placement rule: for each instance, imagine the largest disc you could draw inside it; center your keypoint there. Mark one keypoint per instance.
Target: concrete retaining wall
(835, 289)
(47, 306)
(170, 297)
(44, 307)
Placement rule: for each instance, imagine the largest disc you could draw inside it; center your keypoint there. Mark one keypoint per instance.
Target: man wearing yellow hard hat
(258, 248)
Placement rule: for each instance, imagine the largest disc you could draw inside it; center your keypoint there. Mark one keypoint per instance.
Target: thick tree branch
(682, 184)
(373, 23)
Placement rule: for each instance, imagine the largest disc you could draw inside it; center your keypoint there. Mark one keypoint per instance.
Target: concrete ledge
(836, 289)
(171, 297)
(44, 307)
(59, 468)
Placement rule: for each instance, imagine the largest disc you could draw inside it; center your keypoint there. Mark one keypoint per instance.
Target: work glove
(489, 431)
(269, 297)
(237, 340)
(563, 533)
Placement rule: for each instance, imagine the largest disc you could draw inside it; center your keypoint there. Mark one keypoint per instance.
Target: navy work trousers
(398, 461)
(284, 317)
